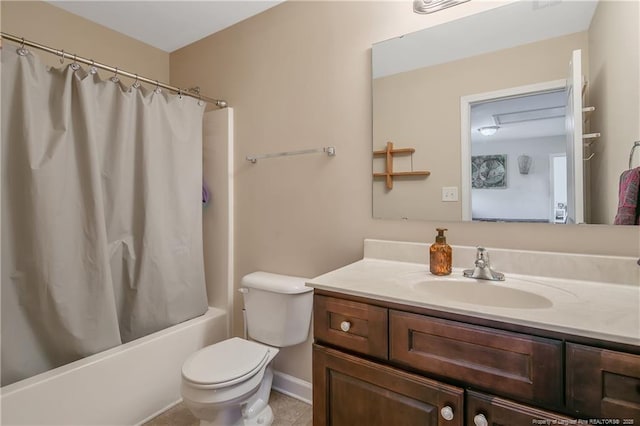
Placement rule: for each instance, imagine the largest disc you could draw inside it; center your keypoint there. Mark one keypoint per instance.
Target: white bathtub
(125, 385)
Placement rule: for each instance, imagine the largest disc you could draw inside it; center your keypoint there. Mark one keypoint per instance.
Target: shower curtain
(101, 213)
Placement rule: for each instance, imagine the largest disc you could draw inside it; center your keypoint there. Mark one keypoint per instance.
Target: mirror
(471, 120)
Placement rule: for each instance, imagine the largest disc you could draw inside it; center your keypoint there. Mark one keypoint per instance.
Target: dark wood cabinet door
(350, 391)
(524, 367)
(603, 384)
(502, 412)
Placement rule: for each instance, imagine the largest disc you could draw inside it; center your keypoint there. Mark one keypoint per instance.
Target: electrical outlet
(449, 193)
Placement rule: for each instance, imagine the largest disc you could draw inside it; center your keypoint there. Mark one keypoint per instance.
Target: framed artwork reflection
(489, 171)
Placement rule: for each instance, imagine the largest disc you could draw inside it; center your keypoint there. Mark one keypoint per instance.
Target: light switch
(449, 193)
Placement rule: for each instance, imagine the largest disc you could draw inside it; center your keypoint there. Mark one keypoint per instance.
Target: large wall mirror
(527, 112)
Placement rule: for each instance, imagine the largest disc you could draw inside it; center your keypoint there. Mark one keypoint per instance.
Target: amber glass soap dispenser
(440, 255)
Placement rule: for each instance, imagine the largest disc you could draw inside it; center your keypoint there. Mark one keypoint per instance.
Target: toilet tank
(278, 308)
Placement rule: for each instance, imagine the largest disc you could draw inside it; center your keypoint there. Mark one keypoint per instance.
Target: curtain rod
(193, 92)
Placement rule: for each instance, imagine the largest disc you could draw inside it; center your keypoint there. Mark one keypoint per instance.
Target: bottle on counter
(440, 255)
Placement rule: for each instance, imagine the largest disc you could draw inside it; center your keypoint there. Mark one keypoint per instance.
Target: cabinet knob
(447, 413)
(480, 420)
(345, 326)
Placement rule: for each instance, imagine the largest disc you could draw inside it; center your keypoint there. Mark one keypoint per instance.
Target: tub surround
(125, 385)
(603, 303)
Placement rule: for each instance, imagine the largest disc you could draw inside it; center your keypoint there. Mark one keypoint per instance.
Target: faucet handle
(482, 255)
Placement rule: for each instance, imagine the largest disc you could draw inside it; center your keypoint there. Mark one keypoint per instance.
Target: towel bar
(633, 148)
(329, 150)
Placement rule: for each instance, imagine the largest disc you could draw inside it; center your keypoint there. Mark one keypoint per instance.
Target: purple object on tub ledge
(206, 195)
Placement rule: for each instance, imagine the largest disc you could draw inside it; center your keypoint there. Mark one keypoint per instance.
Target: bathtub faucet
(482, 269)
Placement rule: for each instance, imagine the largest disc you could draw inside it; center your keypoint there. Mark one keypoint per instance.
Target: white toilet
(228, 383)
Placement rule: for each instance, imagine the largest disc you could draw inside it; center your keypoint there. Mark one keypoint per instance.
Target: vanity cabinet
(377, 363)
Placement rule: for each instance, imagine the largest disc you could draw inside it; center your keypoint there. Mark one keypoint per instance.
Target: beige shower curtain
(101, 213)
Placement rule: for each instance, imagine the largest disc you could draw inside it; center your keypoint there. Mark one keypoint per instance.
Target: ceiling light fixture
(430, 6)
(488, 130)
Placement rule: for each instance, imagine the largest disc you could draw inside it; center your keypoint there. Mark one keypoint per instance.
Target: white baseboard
(292, 386)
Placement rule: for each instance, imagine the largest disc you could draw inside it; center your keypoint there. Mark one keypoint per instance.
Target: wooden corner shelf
(389, 174)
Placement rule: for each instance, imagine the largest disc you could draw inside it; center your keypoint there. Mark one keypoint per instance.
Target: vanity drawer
(603, 383)
(510, 364)
(351, 325)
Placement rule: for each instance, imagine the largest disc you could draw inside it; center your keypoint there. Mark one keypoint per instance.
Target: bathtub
(125, 385)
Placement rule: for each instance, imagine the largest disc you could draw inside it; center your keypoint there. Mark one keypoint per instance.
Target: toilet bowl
(228, 383)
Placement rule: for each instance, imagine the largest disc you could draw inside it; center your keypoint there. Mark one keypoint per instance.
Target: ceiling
(166, 25)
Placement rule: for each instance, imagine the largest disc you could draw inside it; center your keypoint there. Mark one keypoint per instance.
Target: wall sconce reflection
(524, 164)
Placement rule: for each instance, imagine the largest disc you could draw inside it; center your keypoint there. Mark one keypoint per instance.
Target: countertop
(596, 310)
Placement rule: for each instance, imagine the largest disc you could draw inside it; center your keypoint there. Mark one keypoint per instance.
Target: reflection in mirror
(484, 98)
(524, 133)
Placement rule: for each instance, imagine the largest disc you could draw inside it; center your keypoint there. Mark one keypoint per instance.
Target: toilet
(229, 383)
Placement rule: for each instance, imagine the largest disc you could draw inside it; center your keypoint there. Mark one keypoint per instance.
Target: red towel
(629, 195)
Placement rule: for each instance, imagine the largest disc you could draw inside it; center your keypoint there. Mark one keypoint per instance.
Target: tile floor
(286, 410)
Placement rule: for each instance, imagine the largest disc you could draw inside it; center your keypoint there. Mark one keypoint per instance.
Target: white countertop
(585, 308)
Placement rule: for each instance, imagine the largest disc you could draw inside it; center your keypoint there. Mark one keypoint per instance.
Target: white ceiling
(167, 25)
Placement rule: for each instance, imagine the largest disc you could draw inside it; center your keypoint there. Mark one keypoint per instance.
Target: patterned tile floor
(286, 410)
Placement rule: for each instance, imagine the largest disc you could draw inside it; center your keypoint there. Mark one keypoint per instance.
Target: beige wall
(299, 76)
(421, 109)
(56, 28)
(614, 87)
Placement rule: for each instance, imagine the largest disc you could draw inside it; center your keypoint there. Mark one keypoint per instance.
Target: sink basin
(473, 292)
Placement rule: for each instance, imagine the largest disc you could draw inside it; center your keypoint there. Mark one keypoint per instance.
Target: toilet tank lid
(276, 283)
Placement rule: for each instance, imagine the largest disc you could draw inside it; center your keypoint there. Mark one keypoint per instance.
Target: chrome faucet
(482, 270)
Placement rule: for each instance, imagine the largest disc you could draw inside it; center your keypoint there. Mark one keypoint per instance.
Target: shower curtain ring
(200, 103)
(61, 56)
(136, 83)
(75, 65)
(92, 68)
(21, 50)
(157, 90)
(115, 78)
(179, 93)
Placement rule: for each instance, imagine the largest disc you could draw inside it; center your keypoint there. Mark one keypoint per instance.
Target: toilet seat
(225, 363)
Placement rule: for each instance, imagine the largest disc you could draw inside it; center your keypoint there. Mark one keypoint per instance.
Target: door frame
(552, 175)
(465, 128)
